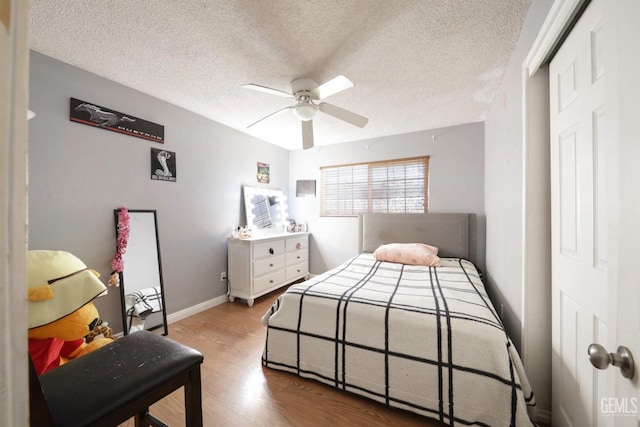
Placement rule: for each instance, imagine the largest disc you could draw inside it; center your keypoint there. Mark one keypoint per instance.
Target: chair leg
(154, 422)
(140, 419)
(193, 399)
(39, 412)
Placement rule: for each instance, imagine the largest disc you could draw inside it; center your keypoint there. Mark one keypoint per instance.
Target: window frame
(353, 211)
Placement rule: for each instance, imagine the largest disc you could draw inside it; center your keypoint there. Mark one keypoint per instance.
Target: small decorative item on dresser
(245, 232)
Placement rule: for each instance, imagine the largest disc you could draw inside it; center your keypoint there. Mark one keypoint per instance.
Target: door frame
(536, 213)
(14, 95)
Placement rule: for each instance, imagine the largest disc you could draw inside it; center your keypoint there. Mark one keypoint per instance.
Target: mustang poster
(95, 115)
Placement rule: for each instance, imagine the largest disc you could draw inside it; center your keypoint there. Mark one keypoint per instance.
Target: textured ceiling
(416, 64)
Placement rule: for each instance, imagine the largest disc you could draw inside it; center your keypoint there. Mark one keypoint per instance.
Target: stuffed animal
(61, 311)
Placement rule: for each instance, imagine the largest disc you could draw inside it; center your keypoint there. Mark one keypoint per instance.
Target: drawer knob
(271, 251)
(270, 265)
(298, 256)
(270, 281)
(298, 245)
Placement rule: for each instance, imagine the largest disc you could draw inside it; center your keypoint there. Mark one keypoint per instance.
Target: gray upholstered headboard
(453, 233)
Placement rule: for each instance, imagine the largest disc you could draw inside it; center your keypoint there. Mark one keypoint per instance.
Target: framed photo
(163, 165)
(306, 188)
(263, 173)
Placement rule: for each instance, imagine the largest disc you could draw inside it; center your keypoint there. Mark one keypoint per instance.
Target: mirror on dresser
(141, 283)
(269, 257)
(265, 209)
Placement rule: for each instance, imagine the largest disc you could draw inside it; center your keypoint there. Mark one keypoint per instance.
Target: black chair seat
(121, 380)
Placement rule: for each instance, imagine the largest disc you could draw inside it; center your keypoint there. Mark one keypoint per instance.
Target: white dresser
(259, 265)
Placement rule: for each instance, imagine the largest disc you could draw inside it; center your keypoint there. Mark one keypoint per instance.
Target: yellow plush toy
(61, 312)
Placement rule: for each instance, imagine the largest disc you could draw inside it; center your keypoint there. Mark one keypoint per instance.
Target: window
(389, 186)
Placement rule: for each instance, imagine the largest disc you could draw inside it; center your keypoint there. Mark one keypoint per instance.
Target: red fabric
(46, 353)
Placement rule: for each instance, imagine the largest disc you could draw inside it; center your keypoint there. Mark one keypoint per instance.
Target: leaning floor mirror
(141, 284)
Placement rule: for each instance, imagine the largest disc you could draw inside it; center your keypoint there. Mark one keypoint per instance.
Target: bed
(423, 339)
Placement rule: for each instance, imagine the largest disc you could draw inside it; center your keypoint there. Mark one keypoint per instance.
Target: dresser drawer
(297, 270)
(265, 282)
(297, 244)
(268, 249)
(268, 265)
(296, 257)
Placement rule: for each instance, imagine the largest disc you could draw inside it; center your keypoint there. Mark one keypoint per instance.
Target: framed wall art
(115, 121)
(263, 173)
(163, 165)
(306, 188)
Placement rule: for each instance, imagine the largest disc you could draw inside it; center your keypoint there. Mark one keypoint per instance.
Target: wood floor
(238, 391)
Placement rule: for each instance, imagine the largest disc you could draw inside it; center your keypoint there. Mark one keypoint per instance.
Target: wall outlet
(223, 276)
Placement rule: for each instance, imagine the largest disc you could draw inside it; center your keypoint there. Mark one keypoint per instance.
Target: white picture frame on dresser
(259, 265)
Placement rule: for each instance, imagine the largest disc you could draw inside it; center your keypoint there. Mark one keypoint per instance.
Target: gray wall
(504, 180)
(78, 174)
(456, 183)
(504, 187)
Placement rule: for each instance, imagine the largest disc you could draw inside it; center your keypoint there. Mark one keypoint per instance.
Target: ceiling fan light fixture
(305, 111)
(307, 92)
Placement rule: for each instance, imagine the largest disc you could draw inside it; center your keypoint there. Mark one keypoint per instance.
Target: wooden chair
(118, 382)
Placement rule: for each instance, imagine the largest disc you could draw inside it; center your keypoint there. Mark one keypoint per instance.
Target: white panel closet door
(595, 189)
(579, 216)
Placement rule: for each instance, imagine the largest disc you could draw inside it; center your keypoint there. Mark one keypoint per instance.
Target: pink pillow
(408, 253)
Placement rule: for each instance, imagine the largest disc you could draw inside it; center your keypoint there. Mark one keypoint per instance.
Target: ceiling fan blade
(265, 89)
(277, 113)
(342, 114)
(307, 134)
(333, 86)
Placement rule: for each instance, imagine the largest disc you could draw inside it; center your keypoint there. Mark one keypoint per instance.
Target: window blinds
(387, 186)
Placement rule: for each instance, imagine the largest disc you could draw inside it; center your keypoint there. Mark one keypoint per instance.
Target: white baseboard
(190, 311)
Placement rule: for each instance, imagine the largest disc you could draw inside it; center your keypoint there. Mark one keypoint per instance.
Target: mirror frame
(125, 328)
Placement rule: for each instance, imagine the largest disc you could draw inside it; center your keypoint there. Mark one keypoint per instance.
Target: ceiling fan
(307, 93)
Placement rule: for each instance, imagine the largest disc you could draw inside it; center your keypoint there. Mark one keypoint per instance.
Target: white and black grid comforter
(423, 339)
